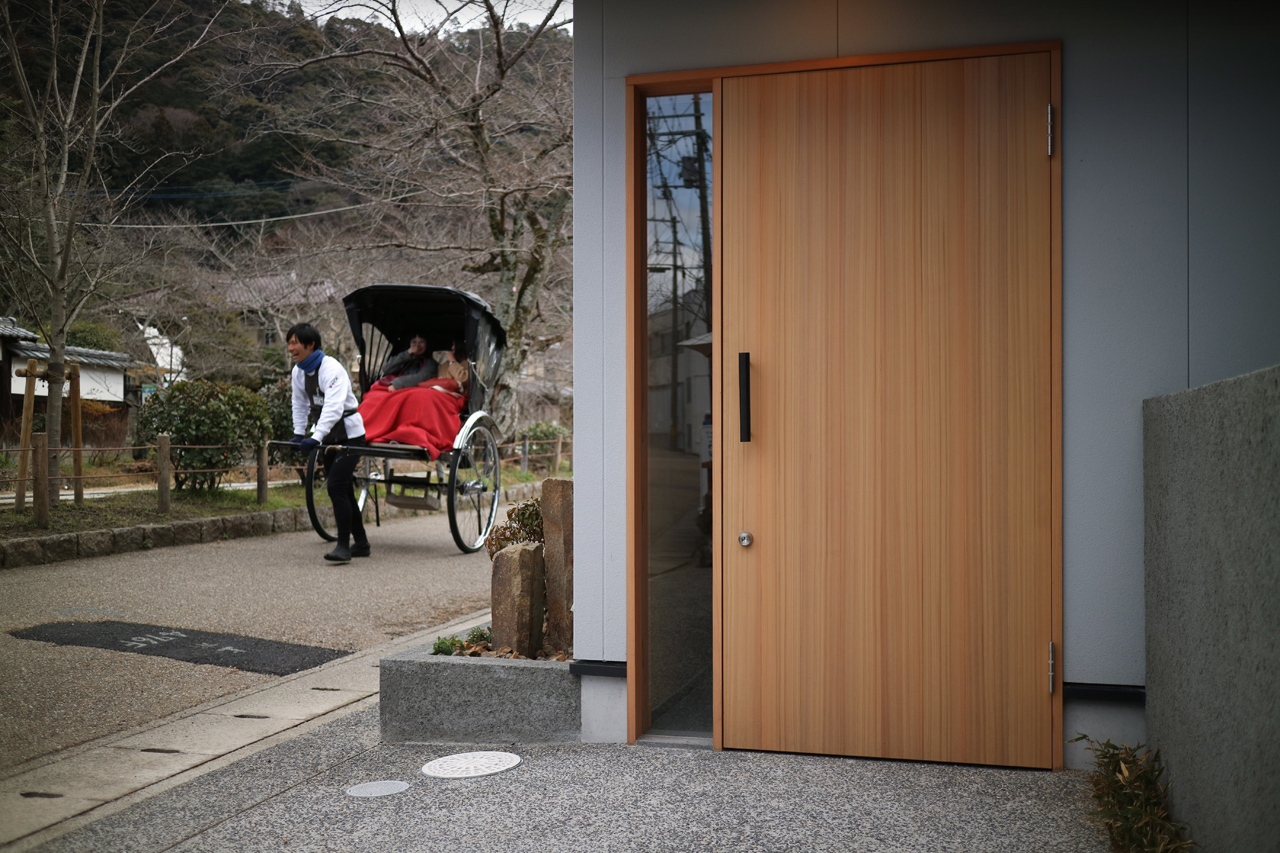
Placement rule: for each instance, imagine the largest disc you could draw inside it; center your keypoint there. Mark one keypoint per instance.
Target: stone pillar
(519, 598)
(557, 527)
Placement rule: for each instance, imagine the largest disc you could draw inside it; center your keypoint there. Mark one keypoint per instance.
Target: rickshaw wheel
(475, 476)
(313, 480)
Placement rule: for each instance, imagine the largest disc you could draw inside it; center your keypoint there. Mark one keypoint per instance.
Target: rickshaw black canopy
(384, 317)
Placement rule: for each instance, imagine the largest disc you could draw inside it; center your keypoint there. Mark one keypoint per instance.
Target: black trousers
(341, 488)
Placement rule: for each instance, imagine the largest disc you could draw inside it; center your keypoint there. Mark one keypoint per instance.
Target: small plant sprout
(1133, 805)
(445, 645)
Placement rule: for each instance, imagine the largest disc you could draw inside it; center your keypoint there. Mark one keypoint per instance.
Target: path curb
(40, 550)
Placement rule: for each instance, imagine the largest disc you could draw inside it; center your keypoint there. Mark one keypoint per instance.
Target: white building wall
(96, 383)
(1158, 293)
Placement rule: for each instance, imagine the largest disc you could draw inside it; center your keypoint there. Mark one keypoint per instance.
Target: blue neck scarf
(311, 363)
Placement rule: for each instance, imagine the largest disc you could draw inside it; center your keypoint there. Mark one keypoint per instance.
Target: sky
(428, 12)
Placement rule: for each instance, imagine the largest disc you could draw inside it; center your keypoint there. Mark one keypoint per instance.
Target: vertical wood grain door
(886, 250)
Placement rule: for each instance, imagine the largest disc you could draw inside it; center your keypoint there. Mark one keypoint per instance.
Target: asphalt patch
(250, 654)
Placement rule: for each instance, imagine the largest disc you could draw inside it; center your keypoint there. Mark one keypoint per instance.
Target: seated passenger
(452, 373)
(409, 368)
(425, 414)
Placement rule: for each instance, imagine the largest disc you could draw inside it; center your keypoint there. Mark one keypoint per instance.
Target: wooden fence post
(40, 491)
(164, 468)
(555, 462)
(28, 411)
(524, 455)
(77, 435)
(262, 472)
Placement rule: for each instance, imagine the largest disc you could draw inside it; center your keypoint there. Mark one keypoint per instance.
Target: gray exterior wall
(1168, 224)
(1212, 469)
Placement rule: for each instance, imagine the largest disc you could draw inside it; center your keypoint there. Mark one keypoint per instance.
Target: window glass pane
(678, 153)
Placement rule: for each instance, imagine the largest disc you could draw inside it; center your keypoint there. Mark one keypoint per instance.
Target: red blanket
(426, 417)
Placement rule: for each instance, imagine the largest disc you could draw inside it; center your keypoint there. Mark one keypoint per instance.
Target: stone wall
(1212, 491)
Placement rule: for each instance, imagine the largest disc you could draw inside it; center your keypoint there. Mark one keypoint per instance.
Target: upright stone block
(236, 526)
(23, 552)
(286, 520)
(519, 598)
(96, 543)
(1211, 475)
(185, 532)
(212, 529)
(127, 538)
(557, 527)
(64, 546)
(260, 523)
(158, 535)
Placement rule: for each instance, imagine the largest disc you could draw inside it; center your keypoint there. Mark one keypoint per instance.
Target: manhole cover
(377, 789)
(467, 765)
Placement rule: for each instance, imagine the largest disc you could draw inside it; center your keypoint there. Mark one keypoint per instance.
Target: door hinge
(1051, 673)
(1050, 129)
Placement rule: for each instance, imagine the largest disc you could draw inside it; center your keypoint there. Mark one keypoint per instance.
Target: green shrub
(1134, 806)
(279, 399)
(445, 645)
(476, 636)
(523, 524)
(93, 335)
(226, 419)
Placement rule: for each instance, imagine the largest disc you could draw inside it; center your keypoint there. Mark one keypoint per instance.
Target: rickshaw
(466, 478)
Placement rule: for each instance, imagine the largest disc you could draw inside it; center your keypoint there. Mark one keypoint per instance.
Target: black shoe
(360, 550)
(340, 554)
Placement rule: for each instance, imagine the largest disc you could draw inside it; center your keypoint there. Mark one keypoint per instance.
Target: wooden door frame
(641, 86)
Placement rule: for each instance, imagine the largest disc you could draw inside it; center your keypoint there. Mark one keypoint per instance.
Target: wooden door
(886, 263)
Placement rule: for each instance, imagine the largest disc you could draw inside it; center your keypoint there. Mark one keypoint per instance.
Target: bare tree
(462, 125)
(73, 68)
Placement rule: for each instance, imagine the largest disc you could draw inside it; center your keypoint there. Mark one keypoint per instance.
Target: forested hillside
(255, 163)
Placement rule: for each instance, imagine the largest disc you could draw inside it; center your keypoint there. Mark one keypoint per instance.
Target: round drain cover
(467, 765)
(377, 789)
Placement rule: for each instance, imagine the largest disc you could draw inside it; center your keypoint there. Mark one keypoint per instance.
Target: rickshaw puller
(322, 391)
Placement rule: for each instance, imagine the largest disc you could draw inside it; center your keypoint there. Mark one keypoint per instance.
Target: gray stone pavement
(590, 797)
(274, 587)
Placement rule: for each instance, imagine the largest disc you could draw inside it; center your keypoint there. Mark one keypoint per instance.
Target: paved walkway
(44, 798)
(271, 587)
(570, 797)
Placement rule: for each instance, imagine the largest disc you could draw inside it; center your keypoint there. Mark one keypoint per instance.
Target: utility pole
(703, 205)
(675, 331)
(694, 176)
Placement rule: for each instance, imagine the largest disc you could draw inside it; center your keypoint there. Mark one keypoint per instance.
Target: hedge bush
(227, 419)
(542, 437)
(278, 397)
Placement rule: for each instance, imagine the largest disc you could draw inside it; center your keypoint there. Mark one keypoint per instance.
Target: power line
(239, 222)
(226, 224)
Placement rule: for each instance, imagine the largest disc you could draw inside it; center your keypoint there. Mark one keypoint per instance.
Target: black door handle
(744, 396)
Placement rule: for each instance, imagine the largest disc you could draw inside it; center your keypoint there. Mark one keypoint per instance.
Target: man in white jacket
(322, 394)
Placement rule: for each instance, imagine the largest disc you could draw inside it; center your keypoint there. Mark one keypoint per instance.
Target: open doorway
(679, 369)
